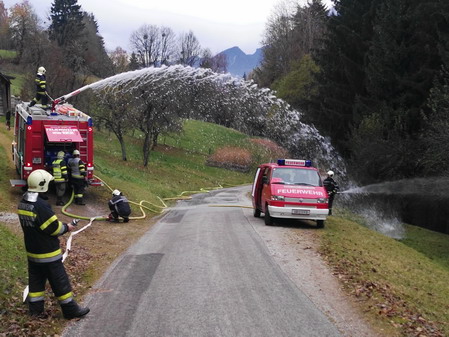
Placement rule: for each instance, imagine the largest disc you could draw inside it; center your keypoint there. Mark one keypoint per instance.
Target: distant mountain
(240, 63)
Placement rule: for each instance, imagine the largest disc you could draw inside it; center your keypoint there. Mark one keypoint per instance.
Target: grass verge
(400, 285)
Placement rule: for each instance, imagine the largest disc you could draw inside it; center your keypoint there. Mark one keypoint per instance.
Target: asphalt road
(200, 271)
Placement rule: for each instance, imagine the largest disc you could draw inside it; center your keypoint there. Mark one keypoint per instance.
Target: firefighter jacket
(330, 185)
(59, 170)
(41, 229)
(41, 84)
(77, 168)
(120, 204)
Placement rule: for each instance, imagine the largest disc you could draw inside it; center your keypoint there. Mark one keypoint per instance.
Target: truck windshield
(295, 176)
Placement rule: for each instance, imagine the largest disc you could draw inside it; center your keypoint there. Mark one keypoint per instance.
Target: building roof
(6, 78)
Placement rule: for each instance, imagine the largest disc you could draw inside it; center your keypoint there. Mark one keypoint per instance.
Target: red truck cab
(290, 188)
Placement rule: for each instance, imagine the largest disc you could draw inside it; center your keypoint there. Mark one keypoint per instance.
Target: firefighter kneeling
(41, 229)
(119, 206)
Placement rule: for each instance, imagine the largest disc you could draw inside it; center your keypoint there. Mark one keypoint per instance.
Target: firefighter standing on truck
(60, 175)
(41, 229)
(331, 187)
(77, 176)
(41, 88)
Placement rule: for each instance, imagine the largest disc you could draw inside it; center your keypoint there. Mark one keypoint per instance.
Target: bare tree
(190, 49)
(168, 45)
(24, 26)
(5, 37)
(147, 44)
(114, 108)
(120, 60)
(278, 42)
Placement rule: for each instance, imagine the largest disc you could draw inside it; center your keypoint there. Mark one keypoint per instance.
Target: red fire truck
(40, 134)
(290, 188)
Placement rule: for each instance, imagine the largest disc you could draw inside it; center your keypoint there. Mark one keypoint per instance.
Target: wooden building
(5, 93)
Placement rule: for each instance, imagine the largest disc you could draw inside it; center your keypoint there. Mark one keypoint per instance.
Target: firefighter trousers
(78, 188)
(60, 189)
(38, 274)
(40, 97)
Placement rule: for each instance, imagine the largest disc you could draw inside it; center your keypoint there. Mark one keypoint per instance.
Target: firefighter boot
(36, 309)
(73, 310)
(59, 202)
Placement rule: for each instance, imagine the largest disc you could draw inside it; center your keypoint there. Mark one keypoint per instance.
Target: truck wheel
(268, 219)
(256, 212)
(320, 223)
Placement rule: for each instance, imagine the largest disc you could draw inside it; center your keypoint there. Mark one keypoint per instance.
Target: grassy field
(401, 286)
(7, 54)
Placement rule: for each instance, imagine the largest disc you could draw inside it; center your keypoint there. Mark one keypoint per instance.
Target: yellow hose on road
(154, 208)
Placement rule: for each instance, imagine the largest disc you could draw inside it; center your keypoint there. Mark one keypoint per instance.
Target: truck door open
(60, 138)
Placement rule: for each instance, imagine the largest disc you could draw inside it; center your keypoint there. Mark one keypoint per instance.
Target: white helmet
(41, 70)
(38, 181)
(116, 192)
(60, 155)
(330, 173)
(76, 153)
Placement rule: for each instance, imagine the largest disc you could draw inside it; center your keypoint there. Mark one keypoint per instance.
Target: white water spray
(254, 110)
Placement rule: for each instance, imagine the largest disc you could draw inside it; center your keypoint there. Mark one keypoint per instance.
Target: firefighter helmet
(60, 154)
(330, 173)
(38, 181)
(76, 153)
(115, 192)
(41, 70)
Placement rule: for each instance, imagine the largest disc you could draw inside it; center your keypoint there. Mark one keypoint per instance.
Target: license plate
(301, 211)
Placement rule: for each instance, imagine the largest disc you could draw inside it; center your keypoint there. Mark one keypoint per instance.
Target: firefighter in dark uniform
(41, 88)
(41, 229)
(77, 176)
(119, 206)
(331, 187)
(60, 175)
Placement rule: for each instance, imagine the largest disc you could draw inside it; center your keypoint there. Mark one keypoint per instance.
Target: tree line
(73, 51)
(370, 74)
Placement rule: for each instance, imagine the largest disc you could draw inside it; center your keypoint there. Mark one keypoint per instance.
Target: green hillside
(398, 285)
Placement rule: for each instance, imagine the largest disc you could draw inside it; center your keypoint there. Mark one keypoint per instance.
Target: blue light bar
(29, 120)
(295, 162)
(90, 122)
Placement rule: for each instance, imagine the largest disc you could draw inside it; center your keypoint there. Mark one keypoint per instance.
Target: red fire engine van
(40, 134)
(290, 188)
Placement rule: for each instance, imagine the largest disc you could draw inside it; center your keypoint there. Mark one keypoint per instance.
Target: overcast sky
(218, 25)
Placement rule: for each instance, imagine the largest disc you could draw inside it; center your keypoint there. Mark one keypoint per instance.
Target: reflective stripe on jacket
(77, 168)
(120, 204)
(41, 83)
(41, 229)
(59, 170)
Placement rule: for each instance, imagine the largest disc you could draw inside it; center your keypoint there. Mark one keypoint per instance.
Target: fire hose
(181, 196)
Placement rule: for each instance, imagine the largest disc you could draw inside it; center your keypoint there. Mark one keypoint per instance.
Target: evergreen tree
(403, 62)
(67, 24)
(342, 68)
(96, 58)
(67, 29)
(133, 62)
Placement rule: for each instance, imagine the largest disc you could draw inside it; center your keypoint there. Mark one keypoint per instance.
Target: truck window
(297, 176)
